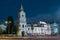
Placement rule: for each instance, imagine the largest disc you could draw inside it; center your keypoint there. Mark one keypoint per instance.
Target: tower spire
(21, 7)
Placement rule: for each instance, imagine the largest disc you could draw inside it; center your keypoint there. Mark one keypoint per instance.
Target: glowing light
(9, 21)
(6, 22)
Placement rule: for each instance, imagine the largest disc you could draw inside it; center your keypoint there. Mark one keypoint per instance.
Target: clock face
(22, 15)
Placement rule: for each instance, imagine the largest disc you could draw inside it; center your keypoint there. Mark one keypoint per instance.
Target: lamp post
(6, 22)
(8, 26)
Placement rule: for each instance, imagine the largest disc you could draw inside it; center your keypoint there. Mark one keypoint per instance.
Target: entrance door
(23, 33)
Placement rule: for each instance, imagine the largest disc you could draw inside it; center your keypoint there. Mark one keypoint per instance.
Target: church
(42, 28)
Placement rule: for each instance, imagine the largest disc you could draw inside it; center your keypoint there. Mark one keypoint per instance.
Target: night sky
(36, 10)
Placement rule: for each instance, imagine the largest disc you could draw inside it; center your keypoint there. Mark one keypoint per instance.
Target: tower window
(23, 26)
(22, 15)
(41, 25)
(28, 28)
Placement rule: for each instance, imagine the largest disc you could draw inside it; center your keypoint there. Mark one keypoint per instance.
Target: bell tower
(21, 21)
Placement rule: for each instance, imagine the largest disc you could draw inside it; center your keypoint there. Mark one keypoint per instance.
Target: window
(41, 25)
(28, 28)
(48, 29)
(23, 26)
(42, 30)
(22, 15)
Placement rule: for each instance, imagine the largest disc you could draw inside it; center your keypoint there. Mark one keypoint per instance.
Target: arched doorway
(23, 33)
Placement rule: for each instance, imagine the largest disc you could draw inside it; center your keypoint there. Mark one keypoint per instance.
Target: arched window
(28, 28)
(22, 15)
(41, 25)
(23, 26)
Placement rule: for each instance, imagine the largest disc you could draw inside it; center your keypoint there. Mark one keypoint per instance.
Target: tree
(10, 25)
(32, 27)
(1, 30)
(16, 29)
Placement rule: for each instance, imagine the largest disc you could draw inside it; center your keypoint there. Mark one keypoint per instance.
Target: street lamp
(6, 22)
(9, 21)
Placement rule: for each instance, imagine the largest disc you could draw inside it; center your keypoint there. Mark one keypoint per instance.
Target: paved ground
(31, 38)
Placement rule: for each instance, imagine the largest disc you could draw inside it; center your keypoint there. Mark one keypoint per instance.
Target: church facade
(22, 21)
(43, 30)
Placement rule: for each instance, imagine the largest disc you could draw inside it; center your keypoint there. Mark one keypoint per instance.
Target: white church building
(42, 29)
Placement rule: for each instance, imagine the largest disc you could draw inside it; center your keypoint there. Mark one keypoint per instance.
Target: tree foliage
(10, 25)
(16, 29)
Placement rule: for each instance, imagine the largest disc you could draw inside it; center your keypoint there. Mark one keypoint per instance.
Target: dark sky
(36, 10)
